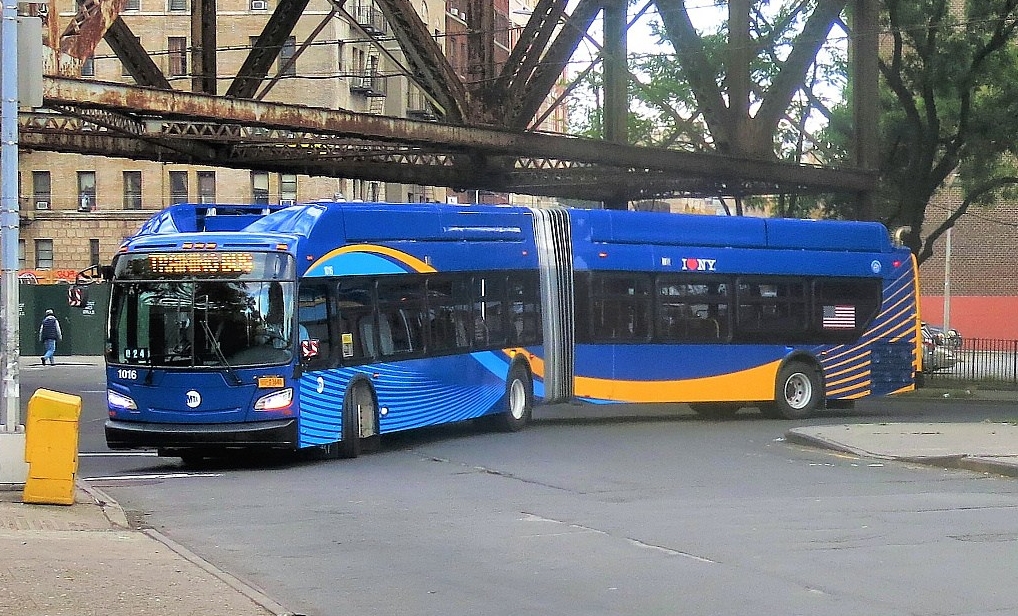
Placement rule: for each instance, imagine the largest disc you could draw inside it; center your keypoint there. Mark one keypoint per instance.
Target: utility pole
(13, 469)
(947, 284)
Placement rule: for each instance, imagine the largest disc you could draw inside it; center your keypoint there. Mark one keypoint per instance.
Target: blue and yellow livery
(322, 326)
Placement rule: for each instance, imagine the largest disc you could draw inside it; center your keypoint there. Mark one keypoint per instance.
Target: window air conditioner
(259, 5)
(42, 205)
(286, 202)
(454, 12)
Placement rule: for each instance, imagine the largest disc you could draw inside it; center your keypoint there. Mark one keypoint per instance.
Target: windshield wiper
(219, 351)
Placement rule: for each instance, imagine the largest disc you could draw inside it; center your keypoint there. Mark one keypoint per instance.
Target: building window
(288, 188)
(178, 187)
(93, 252)
(176, 47)
(88, 67)
(260, 187)
(207, 186)
(86, 191)
(22, 263)
(132, 5)
(287, 61)
(41, 188)
(132, 190)
(43, 254)
(178, 5)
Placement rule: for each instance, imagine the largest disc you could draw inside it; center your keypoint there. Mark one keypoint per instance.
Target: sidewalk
(983, 447)
(85, 560)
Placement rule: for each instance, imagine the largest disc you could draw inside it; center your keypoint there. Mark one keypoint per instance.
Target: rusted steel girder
(431, 69)
(265, 50)
(95, 20)
(588, 183)
(204, 46)
(482, 142)
(526, 54)
(135, 58)
(88, 26)
(524, 99)
(481, 44)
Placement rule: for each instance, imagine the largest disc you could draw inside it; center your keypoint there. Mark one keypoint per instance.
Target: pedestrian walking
(49, 334)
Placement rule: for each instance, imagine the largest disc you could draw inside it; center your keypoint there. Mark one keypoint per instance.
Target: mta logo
(699, 265)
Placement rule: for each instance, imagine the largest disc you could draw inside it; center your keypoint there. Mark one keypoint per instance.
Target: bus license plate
(270, 381)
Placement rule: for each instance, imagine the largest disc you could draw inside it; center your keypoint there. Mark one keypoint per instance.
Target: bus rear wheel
(519, 400)
(715, 410)
(797, 391)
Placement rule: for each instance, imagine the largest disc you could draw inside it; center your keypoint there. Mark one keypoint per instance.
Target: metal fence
(984, 361)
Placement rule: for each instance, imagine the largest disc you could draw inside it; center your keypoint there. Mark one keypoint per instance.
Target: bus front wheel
(519, 400)
(797, 391)
(359, 418)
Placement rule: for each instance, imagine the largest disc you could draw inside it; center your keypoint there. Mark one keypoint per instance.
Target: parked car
(951, 338)
(937, 353)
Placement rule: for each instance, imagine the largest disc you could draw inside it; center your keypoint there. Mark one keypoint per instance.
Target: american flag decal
(839, 317)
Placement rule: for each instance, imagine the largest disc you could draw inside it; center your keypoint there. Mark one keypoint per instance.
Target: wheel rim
(798, 391)
(365, 412)
(517, 399)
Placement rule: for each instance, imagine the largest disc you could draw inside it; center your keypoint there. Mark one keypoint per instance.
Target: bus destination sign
(207, 263)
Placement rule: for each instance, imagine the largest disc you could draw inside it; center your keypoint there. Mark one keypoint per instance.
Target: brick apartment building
(76, 209)
(983, 273)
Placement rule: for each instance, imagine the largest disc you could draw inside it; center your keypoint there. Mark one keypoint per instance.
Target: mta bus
(322, 326)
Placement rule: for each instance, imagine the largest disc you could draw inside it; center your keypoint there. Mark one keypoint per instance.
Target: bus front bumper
(276, 434)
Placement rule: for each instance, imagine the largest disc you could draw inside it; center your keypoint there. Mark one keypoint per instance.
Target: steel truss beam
(155, 124)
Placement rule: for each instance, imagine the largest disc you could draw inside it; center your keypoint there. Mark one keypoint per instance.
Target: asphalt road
(674, 516)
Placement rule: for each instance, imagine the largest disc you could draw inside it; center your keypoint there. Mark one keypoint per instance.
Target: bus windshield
(193, 322)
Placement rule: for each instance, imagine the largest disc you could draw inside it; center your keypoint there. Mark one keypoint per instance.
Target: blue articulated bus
(324, 325)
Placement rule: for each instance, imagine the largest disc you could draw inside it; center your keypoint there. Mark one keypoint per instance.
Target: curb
(232, 581)
(808, 440)
(978, 464)
(115, 514)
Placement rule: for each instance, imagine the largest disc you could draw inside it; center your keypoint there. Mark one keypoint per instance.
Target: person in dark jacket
(49, 334)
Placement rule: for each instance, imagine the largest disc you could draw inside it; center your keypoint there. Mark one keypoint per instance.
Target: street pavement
(86, 559)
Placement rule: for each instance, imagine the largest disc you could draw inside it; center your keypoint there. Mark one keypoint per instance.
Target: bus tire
(715, 410)
(519, 400)
(358, 396)
(797, 391)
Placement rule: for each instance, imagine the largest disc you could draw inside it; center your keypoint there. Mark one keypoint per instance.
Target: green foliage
(949, 106)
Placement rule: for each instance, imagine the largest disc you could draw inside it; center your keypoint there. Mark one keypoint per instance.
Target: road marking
(117, 454)
(152, 476)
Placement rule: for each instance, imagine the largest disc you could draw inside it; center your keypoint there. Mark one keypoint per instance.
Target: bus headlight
(275, 401)
(120, 401)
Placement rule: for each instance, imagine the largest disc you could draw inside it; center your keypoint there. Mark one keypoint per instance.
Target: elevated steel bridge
(482, 138)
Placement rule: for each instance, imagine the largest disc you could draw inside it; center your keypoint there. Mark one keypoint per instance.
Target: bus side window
(448, 312)
(524, 298)
(401, 315)
(355, 320)
(313, 321)
(489, 316)
(620, 307)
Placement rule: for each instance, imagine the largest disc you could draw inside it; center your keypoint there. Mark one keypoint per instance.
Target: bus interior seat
(367, 332)
(385, 336)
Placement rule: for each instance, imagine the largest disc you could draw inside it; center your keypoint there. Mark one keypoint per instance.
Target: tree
(758, 91)
(949, 110)
(948, 96)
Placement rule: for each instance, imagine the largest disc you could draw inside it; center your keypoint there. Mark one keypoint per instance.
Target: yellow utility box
(51, 447)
